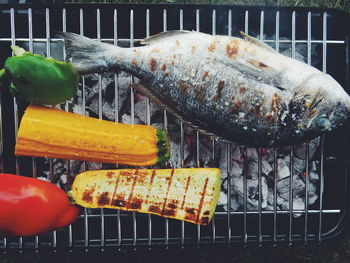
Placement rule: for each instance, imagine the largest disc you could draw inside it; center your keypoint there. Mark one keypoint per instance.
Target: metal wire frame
(245, 237)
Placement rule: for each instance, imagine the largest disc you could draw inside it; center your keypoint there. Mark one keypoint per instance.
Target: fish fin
(145, 91)
(257, 42)
(163, 35)
(269, 77)
(85, 54)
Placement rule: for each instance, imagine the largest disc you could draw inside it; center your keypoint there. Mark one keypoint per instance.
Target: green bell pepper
(37, 79)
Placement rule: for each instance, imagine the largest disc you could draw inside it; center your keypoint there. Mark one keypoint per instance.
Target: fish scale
(237, 88)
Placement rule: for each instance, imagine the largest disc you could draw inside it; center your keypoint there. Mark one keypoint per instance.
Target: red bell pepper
(30, 206)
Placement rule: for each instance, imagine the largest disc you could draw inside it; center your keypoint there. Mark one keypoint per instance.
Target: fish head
(327, 105)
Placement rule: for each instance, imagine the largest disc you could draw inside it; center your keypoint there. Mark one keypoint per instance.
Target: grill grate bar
(15, 106)
(228, 176)
(221, 213)
(148, 110)
(324, 69)
(166, 220)
(275, 170)
(245, 186)
(127, 40)
(202, 236)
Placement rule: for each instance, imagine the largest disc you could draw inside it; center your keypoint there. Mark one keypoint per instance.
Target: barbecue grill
(320, 32)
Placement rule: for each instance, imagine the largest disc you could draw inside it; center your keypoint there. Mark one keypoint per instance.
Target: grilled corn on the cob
(186, 194)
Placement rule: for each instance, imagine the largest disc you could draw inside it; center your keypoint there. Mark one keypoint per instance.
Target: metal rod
(213, 22)
(228, 184)
(213, 219)
(246, 22)
(116, 76)
(275, 171)
(182, 154)
(260, 194)
(127, 40)
(324, 69)
(15, 106)
(306, 190)
(148, 112)
(277, 31)
(229, 26)
(181, 19)
(262, 15)
(291, 158)
(223, 213)
(245, 235)
(293, 34)
(197, 20)
(198, 165)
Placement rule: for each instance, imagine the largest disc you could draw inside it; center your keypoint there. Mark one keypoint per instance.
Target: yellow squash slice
(187, 194)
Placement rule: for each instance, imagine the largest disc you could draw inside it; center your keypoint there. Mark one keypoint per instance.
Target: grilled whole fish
(237, 88)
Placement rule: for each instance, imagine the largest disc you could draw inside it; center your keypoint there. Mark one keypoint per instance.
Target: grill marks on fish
(219, 89)
(153, 64)
(232, 50)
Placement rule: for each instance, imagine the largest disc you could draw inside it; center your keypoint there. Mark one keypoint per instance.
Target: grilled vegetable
(185, 194)
(38, 79)
(31, 206)
(47, 132)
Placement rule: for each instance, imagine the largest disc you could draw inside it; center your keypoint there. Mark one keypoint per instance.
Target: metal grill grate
(126, 24)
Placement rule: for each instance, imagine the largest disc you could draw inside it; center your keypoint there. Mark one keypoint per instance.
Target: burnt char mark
(257, 64)
(275, 106)
(190, 217)
(153, 64)
(154, 209)
(184, 88)
(200, 93)
(150, 184)
(163, 67)
(128, 174)
(103, 199)
(212, 46)
(204, 221)
(256, 110)
(115, 189)
(186, 189)
(170, 212)
(202, 199)
(190, 211)
(262, 65)
(134, 62)
(205, 75)
(132, 189)
(172, 205)
(88, 195)
(167, 192)
(109, 174)
(231, 51)
(135, 203)
(219, 89)
(206, 213)
(118, 202)
(242, 89)
(193, 49)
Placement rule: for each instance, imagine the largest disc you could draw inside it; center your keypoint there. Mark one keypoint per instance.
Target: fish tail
(87, 55)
